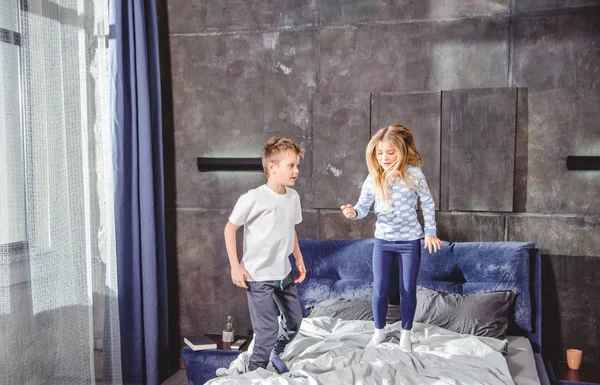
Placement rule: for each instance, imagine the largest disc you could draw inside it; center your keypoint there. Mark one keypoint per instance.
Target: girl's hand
(432, 242)
(348, 211)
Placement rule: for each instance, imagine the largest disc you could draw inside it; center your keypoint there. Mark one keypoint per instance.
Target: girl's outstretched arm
(432, 242)
(427, 203)
(366, 199)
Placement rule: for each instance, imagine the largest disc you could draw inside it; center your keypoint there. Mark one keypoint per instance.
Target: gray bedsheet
(521, 362)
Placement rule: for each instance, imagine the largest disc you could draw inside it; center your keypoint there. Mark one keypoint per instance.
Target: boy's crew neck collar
(275, 192)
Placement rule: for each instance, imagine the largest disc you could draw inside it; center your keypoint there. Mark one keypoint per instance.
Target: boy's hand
(432, 242)
(239, 275)
(348, 211)
(301, 271)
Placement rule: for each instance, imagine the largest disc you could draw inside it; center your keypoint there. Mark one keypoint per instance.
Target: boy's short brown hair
(275, 147)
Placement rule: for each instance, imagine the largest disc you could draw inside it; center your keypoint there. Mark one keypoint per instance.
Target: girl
(395, 182)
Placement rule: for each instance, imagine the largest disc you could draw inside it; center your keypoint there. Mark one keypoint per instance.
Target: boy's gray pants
(265, 298)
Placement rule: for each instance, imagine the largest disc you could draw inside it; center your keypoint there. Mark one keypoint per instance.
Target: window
(13, 227)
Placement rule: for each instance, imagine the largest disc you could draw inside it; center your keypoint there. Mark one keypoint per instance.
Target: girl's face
(386, 154)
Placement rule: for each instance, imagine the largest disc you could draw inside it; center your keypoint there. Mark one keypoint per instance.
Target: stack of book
(200, 342)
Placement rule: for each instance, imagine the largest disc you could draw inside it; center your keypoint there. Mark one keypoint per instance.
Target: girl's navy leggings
(407, 254)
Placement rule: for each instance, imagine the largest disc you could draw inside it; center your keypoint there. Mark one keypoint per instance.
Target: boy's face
(286, 171)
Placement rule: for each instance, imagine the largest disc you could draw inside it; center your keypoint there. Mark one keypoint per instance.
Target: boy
(269, 214)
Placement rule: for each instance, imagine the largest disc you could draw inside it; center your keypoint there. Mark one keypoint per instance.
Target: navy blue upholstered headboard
(343, 269)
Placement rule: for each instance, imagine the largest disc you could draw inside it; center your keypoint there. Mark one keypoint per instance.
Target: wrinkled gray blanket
(332, 351)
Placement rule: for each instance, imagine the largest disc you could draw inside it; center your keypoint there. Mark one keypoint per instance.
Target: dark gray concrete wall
(498, 94)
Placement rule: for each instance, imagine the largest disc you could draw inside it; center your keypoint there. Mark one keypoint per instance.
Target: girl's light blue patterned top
(397, 221)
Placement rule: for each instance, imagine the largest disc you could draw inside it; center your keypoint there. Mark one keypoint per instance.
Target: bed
(331, 348)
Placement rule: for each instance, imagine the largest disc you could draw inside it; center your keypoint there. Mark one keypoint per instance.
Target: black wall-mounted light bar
(230, 164)
(583, 162)
(255, 164)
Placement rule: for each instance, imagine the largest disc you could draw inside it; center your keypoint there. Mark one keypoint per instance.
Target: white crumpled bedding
(332, 351)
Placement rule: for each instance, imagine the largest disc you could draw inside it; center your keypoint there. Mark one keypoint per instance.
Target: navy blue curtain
(139, 191)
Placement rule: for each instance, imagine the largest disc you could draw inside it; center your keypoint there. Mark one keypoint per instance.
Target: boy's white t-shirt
(268, 219)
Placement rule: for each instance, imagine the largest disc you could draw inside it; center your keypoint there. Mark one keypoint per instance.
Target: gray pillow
(350, 310)
(482, 314)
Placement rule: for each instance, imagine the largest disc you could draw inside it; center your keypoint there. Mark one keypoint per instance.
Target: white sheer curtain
(58, 293)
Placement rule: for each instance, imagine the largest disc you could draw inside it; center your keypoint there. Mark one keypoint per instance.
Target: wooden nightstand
(588, 374)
